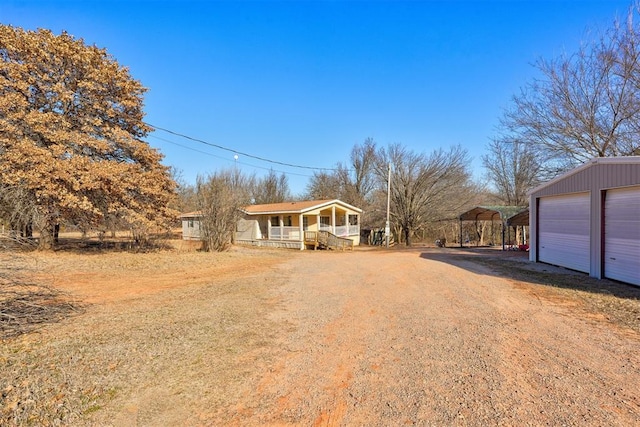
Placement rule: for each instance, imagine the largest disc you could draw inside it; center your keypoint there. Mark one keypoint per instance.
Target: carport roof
(491, 213)
(519, 219)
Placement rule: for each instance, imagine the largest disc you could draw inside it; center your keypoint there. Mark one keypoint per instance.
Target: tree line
(72, 147)
(425, 188)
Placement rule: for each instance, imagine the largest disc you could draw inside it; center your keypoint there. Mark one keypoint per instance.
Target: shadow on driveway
(516, 265)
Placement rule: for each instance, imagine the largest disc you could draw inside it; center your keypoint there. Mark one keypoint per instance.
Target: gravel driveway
(418, 336)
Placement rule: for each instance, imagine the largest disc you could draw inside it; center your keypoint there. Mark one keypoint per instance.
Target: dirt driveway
(370, 337)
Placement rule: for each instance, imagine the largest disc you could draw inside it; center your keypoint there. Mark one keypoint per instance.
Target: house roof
(295, 207)
(194, 214)
(285, 207)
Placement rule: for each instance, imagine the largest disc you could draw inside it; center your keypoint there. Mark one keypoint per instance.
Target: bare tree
(586, 104)
(361, 182)
(513, 168)
(186, 200)
(220, 197)
(325, 185)
(424, 188)
(272, 188)
(353, 183)
(17, 211)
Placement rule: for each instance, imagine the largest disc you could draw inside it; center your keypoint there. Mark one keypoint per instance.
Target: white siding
(563, 231)
(622, 235)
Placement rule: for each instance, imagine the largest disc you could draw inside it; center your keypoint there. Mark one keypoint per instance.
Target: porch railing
(284, 233)
(293, 233)
(342, 230)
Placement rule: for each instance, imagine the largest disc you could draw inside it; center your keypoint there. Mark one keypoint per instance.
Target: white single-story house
(588, 219)
(312, 223)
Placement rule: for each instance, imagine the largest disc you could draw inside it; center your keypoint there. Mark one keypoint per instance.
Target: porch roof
(296, 207)
(284, 208)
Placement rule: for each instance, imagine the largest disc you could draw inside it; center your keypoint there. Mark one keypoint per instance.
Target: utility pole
(387, 229)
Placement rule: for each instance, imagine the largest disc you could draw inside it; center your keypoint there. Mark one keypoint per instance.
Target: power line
(224, 158)
(239, 152)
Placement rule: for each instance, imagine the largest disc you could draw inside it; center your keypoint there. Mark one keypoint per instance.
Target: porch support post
(346, 222)
(268, 228)
(301, 228)
(333, 219)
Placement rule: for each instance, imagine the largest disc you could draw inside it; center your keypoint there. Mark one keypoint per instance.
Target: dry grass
(137, 334)
(617, 302)
(25, 304)
(179, 330)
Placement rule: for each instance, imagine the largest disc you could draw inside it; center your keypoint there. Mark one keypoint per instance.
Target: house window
(305, 223)
(190, 223)
(287, 221)
(275, 221)
(353, 219)
(325, 221)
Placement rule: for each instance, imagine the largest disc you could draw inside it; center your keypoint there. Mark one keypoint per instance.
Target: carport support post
(460, 218)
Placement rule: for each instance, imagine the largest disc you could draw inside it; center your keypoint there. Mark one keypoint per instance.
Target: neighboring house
(312, 223)
(589, 219)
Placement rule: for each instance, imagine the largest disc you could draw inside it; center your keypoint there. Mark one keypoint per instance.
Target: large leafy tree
(71, 134)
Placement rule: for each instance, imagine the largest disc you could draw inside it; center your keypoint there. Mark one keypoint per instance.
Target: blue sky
(302, 82)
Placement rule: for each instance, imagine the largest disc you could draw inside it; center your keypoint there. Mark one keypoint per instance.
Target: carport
(493, 213)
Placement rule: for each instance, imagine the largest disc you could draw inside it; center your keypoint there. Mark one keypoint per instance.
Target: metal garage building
(589, 219)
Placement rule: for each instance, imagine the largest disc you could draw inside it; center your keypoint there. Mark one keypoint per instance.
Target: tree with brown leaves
(71, 134)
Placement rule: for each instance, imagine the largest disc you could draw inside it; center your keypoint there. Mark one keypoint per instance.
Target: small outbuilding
(588, 219)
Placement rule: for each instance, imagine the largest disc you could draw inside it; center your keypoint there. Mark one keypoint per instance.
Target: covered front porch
(293, 229)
